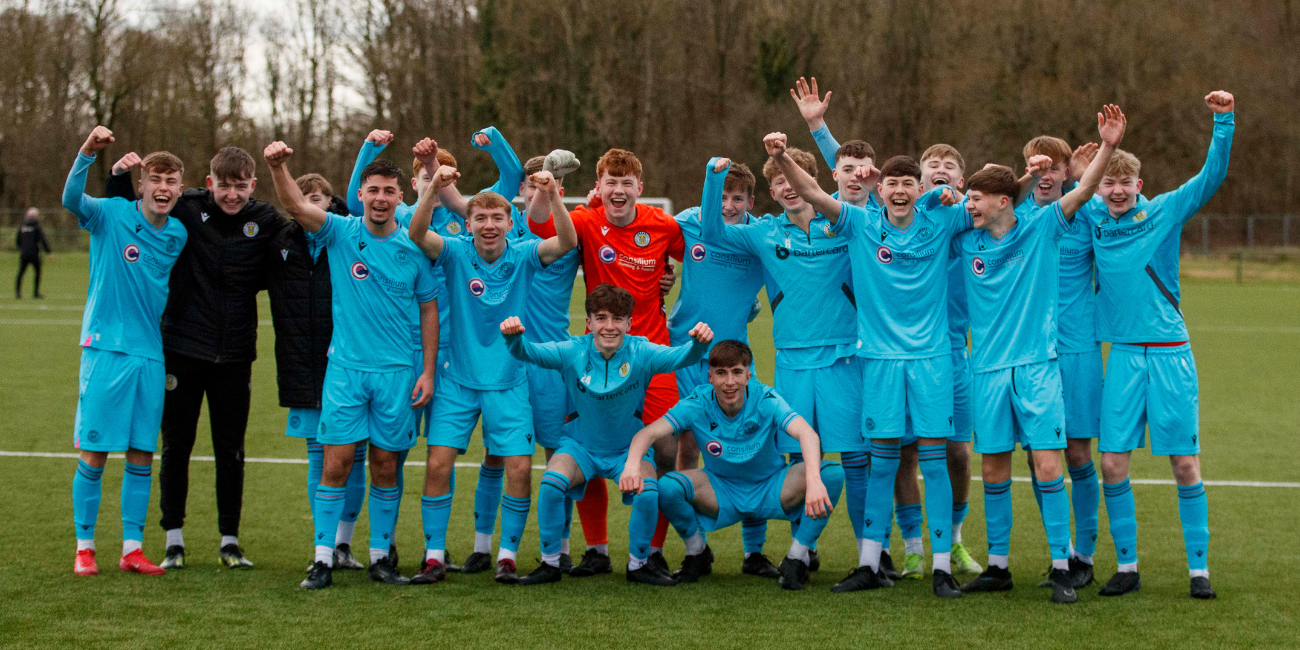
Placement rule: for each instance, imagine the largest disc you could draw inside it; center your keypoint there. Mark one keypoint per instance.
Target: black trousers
(22, 269)
(227, 388)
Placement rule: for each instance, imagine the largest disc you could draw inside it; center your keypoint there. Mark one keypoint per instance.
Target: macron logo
(604, 230)
(204, 215)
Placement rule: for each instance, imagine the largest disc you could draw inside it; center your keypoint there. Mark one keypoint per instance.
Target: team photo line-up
(396, 320)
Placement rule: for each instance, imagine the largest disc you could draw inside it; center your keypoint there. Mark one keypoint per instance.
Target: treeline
(676, 81)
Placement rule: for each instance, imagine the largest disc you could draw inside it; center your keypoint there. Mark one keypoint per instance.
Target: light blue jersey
(130, 264)
(719, 279)
(741, 447)
(958, 309)
(1076, 328)
(608, 394)
(901, 275)
(481, 295)
(546, 314)
(375, 284)
(1137, 255)
(1012, 288)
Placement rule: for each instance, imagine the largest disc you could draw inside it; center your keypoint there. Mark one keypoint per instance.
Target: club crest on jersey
(171, 245)
(698, 252)
(1141, 216)
(403, 258)
(751, 428)
(360, 271)
(924, 233)
(826, 230)
(251, 229)
(714, 448)
(131, 253)
(453, 228)
(977, 266)
(641, 238)
(295, 422)
(624, 369)
(171, 382)
(884, 255)
(607, 254)
(477, 287)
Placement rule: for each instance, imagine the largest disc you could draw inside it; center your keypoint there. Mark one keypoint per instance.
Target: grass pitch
(1246, 339)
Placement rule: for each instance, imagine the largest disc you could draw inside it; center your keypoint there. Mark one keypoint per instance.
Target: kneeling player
(607, 373)
(744, 477)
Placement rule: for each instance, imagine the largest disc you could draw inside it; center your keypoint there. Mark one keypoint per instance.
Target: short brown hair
(1123, 163)
(162, 162)
(1045, 145)
(534, 165)
(308, 183)
(444, 158)
(730, 353)
(801, 158)
(487, 201)
(900, 166)
(855, 149)
(945, 151)
(739, 178)
(233, 164)
(995, 179)
(607, 297)
(619, 162)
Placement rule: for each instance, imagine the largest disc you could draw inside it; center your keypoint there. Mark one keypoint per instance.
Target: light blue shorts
(1081, 379)
(507, 418)
(830, 399)
(1155, 387)
(119, 402)
(1019, 404)
(551, 405)
(739, 500)
(899, 390)
(302, 423)
(963, 418)
(597, 464)
(359, 405)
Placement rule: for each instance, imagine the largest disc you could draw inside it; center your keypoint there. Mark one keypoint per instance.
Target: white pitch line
(303, 461)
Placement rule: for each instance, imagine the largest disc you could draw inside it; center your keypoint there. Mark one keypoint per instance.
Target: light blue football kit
(608, 397)
(546, 320)
(121, 380)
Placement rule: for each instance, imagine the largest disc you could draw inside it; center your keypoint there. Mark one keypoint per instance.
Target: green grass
(1247, 342)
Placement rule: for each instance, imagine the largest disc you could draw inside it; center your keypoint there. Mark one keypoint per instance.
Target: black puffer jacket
(301, 313)
(211, 311)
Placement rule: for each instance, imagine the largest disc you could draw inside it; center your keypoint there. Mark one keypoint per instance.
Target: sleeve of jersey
(510, 172)
(676, 240)
(1196, 192)
(529, 249)
(329, 231)
(369, 151)
(545, 355)
(851, 220)
(665, 359)
(956, 216)
(679, 416)
(1057, 224)
(714, 230)
(781, 412)
(451, 248)
(427, 287)
(87, 209)
(826, 144)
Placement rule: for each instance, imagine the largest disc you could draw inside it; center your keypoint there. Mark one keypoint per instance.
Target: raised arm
(375, 143)
(813, 110)
(665, 359)
(87, 209)
(310, 217)
(1197, 191)
(429, 241)
(630, 481)
(118, 184)
(510, 172)
(1033, 173)
(545, 355)
(713, 228)
(1110, 124)
(804, 185)
(566, 238)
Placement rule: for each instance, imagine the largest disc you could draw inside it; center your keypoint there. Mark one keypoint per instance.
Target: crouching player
(133, 246)
(744, 476)
(606, 372)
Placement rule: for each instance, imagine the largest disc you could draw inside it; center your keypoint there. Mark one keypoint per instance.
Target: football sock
(564, 545)
(753, 534)
(1085, 497)
(1193, 511)
(346, 528)
(675, 495)
(997, 519)
(603, 549)
(315, 467)
(661, 534)
(695, 543)
(550, 514)
(798, 551)
(645, 514)
(1121, 510)
(855, 484)
(938, 495)
(355, 494)
(136, 482)
(592, 508)
(810, 529)
(1056, 520)
(482, 542)
(909, 524)
(328, 511)
(401, 488)
(880, 495)
(85, 499)
(175, 538)
(383, 512)
(435, 512)
(227, 540)
(514, 517)
(959, 511)
(487, 499)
